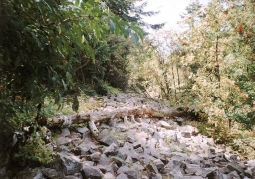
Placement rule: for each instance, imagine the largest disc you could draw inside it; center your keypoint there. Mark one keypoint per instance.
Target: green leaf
(112, 26)
(64, 84)
(138, 31)
(127, 32)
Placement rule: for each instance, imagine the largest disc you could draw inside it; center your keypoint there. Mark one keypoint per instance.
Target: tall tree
(219, 53)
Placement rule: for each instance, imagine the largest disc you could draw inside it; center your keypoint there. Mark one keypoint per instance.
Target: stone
(119, 161)
(63, 148)
(159, 164)
(180, 121)
(130, 138)
(151, 168)
(123, 169)
(131, 173)
(210, 141)
(75, 136)
(111, 150)
(104, 160)
(235, 167)
(95, 156)
(222, 176)
(146, 159)
(122, 155)
(177, 165)
(63, 141)
(65, 132)
(230, 157)
(253, 172)
(106, 168)
(141, 135)
(224, 170)
(176, 173)
(137, 144)
(195, 158)
(207, 173)
(179, 156)
(139, 150)
(107, 138)
(193, 169)
(76, 151)
(188, 128)
(251, 163)
(71, 164)
(155, 176)
(129, 160)
(30, 174)
(91, 172)
(87, 163)
(104, 126)
(83, 130)
(50, 173)
(137, 166)
(164, 124)
(127, 151)
(149, 130)
(186, 134)
(234, 175)
(108, 175)
(122, 176)
(115, 167)
(248, 173)
(72, 177)
(193, 177)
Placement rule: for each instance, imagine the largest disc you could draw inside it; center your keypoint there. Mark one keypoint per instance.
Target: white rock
(164, 124)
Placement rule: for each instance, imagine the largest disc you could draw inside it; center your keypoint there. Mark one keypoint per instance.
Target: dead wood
(110, 113)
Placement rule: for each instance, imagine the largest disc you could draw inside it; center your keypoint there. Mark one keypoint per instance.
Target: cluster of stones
(153, 149)
(149, 148)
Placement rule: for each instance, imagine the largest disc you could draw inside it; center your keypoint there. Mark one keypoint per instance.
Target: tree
(41, 46)
(131, 12)
(219, 53)
(111, 67)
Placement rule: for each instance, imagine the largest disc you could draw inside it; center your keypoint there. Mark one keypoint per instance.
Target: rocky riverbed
(147, 148)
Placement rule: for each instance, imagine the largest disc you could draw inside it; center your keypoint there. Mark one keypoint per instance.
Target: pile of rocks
(150, 148)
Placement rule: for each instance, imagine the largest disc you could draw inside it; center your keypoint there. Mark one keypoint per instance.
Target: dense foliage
(51, 48)
(208, 66)
(219, 50)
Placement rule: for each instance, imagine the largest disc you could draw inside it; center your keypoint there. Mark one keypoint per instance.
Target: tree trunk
(109, 113)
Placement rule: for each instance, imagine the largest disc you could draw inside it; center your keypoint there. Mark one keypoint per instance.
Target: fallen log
(109, 113)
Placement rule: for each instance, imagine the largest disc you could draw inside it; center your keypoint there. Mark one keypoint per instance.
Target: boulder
(91, 172)
(107, 138)
(35, 173)
(71, 164)
(111, 150)
(50, 173)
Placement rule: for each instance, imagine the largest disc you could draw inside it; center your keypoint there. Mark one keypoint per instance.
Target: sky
(170, 11)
